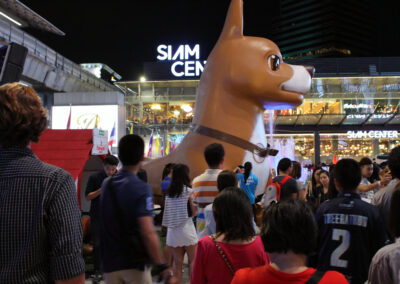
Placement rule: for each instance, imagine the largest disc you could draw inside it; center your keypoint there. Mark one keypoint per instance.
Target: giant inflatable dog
(243, 77)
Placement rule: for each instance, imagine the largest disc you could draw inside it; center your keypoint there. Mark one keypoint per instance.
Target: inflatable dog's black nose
(310, 70)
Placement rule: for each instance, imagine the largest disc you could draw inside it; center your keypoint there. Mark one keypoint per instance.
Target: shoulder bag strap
(280, 184)
(284, 180)
(221, 252)
(316, 277)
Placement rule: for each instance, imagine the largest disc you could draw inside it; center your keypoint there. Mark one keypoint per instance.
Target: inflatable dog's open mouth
(300, 82)
(291, 92)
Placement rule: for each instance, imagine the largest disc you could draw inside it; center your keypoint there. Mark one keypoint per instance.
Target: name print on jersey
(346, 219)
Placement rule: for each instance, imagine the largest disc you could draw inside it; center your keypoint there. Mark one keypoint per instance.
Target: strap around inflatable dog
(234, 140)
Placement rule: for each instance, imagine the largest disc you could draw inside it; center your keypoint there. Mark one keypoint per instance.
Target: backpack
(273, 192)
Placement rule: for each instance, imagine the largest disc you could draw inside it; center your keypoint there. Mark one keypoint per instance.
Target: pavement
(185, 275)
(185, 278)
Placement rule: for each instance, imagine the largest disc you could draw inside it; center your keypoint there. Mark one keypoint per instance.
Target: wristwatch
(159, 268)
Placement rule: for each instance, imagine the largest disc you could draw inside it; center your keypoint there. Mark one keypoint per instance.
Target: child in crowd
(225, 179)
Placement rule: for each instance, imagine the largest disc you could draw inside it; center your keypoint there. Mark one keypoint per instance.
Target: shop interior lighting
(155, 107)
(10, 19)
(176, 112)
(186, 108)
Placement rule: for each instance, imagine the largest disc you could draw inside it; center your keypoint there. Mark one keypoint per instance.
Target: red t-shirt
(268, 274)
(209, 266)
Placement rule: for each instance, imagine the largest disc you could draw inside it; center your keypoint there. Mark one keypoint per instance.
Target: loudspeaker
(13, 63)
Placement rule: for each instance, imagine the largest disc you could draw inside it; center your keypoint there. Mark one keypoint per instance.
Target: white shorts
(182, 236)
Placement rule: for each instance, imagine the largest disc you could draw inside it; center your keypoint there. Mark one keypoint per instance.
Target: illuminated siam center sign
(185, 60)
(372, 134)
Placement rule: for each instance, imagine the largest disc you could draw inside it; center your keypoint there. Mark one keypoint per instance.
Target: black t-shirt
(350, 233)
(94, 183)
(289, 187)
(320, 195)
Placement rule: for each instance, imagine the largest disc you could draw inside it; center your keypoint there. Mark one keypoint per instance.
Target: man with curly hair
(40, 220)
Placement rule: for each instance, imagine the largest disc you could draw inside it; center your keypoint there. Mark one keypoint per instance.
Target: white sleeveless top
(176, 209)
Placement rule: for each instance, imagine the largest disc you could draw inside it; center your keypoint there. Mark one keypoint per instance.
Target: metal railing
(10, 33)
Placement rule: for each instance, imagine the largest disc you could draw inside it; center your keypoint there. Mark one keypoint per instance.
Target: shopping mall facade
(352, 110)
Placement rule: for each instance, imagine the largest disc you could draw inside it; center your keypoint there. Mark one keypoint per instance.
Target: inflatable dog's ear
(233, 26)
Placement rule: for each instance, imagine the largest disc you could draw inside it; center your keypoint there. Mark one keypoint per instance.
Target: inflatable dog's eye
(273, 62)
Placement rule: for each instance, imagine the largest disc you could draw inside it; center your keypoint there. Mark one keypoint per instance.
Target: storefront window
(299, 147)
(356, 148)
(313, 107)
(181, 113)
(133, 113)
(156, 114)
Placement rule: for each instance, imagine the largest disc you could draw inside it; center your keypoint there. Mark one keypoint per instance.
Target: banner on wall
(86, 117)
(100, 142)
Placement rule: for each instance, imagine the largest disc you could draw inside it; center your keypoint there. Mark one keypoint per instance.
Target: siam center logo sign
(372, 134)
(185, 60)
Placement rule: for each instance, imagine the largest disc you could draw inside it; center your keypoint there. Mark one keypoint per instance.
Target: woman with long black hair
(321, 192)
(181, 233)
(312, 187)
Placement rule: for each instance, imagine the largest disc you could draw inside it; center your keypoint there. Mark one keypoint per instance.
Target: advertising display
(100, 142)
(103, 117)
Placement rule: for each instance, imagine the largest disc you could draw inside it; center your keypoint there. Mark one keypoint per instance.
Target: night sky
(124, 34)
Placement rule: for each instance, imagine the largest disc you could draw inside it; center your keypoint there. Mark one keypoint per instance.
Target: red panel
(67, 149)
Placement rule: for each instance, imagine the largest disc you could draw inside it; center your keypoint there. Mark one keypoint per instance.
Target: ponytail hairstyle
(247, 170)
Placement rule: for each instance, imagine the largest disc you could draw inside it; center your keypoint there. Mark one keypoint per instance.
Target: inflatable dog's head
(253, 66)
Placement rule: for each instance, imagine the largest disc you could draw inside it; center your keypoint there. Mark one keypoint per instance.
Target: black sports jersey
(350, 233)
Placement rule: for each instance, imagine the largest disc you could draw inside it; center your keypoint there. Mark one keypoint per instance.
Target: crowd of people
(327, 230)
(343, 227)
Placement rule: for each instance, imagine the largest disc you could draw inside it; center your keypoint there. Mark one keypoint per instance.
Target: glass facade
(165, 108)
(344, 147)
(347, 101)
(301, 147)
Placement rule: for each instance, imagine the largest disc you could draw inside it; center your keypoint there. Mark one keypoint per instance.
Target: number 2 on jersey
(344, 236)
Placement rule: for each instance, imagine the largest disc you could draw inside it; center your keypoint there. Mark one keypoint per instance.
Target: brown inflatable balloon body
(243, 76)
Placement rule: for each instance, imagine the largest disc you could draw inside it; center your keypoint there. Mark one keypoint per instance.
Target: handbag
(223, 255)
(189, 210)
(132, 239)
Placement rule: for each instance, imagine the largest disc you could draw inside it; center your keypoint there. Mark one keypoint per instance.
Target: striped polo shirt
(205, 190)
